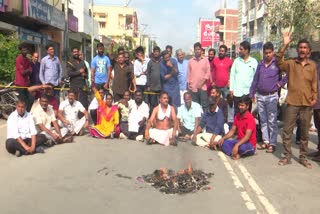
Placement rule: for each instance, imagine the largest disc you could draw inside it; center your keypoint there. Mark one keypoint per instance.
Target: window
(102, 16)
(102, 24)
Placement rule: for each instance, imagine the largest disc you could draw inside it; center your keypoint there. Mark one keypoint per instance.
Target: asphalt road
(100, 176)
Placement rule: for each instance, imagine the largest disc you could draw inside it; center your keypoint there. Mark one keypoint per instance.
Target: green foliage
(297, 16)
(8, 53)
(256, 55)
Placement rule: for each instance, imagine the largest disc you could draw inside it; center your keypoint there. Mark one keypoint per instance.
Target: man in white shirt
(138, 116)
(44, 116)
(68, 116)
(22, 138)
(139, 68)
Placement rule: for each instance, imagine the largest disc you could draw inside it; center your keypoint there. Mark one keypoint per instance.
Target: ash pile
(185, 181)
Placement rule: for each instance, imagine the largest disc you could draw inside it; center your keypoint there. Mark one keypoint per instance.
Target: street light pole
(92, 32)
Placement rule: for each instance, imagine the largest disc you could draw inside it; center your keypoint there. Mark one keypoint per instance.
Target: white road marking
(248, 201)
(253, 184)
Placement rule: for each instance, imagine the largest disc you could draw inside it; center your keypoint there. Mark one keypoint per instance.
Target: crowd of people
(159, 99)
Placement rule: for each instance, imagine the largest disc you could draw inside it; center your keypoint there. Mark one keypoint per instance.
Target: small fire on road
(182, 182)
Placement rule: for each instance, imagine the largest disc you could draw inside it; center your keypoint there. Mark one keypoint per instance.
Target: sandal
(305, 163)
(150, 141)
(284, 161)
(263, 146)
(271, 149)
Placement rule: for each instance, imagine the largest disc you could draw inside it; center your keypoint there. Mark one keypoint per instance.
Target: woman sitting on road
(107, 117)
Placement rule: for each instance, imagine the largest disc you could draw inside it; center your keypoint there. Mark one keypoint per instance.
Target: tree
(300, 17)
(8, 53)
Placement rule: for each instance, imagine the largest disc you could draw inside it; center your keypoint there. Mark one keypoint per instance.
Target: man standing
(245, 127)
(153, 78)
(140, 68)
(212, 121)
(35, 75)
(123, 76)
(242, 73)
(220, 71)
(44, 116)
(265, 85)
(302, 96)
(189, 115)
(100, 69)
(78, 74)
(183, 71)
(68, 116)
(138, 116)
(198, 74)
(164, 123)
(169, 79)
(22, 138)
(23, 72)
(51, 70)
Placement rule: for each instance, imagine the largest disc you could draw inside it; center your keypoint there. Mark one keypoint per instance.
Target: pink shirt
(198, 73)
(220, 71)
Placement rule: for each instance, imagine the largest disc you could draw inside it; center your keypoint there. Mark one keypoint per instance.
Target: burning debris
(185, 181)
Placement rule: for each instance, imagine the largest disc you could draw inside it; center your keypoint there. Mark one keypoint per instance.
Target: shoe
(122, 136)
(39, 149)
(139, 138)
(17, 153)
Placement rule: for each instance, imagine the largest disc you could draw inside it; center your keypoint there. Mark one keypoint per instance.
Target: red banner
(207, 34)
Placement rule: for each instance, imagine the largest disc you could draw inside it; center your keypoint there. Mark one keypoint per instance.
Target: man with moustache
(220, 71)
(242, 73)
(100, 69)
(78, 73)
(22, 77)
(68, 115)
(302, 96)
(266, 84)
(22, 137)
(44, 116)
(245, 126)
(163, 124)
(123, 76)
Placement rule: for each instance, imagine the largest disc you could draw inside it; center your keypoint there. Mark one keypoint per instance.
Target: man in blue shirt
(265, 85)
(241, 75)
(100, 68)
(51, 70)
(212, 121)
(182, 75)
(189, 115)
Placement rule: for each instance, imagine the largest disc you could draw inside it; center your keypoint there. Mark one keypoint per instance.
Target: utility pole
(66, 30)
(92, 32)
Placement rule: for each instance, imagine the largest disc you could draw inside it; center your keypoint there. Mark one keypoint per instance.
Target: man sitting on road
(245, 125)
(22, 137)
(164, 123)
(68, 115)
(212, 121)
(43, 116)
(138, 116)
(189, 115)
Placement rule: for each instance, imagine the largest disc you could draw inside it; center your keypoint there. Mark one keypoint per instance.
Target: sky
(172, 22)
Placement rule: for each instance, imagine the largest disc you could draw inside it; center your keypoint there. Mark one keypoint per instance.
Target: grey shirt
(153, 75)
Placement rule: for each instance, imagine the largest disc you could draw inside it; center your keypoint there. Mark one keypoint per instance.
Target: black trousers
(93, 115)
(25, 96)
(12, 145)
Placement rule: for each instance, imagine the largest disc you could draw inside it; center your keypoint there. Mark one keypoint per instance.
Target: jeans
(224, 92)
(12, 145)
(268, 111)
(291, 115)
